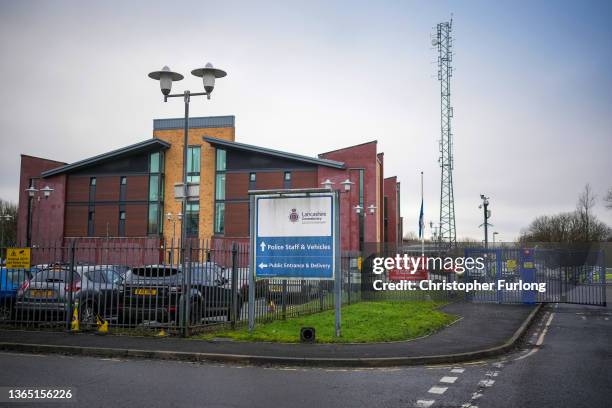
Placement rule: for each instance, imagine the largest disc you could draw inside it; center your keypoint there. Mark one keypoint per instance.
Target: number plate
(146, 292)
(41, 293)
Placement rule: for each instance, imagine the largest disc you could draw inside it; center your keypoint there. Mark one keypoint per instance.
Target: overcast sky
(531, 89)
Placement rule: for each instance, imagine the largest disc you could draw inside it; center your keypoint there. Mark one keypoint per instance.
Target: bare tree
(586, 202)
(8, 223)
(578, 226)
(411, 236)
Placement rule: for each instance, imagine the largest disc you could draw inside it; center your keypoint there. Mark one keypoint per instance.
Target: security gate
(529, 275)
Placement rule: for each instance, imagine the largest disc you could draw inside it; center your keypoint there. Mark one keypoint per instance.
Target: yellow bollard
(162, 333)
(102, 325)
(74, 325)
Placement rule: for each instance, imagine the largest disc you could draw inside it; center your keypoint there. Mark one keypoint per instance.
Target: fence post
(234, 286)
(349, 281)
(70, 297)
(284, 298)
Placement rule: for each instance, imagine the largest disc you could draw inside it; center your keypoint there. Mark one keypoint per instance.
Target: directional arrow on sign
(263, 246)
(263, 265)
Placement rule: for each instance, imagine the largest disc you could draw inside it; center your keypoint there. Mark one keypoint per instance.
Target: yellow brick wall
(174, 174)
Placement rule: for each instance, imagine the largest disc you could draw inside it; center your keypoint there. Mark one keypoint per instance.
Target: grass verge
(361, 323)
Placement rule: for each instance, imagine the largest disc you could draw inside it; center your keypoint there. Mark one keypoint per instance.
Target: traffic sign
(18, 258)
(294, 236)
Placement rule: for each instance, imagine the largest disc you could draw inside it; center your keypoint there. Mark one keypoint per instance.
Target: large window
(220, 187)
(219, 218)
(193, 164)
(155, 217)
(220, 191)
(221, 160)
(192, 219)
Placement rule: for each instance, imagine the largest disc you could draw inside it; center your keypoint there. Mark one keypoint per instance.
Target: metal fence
(126, 286)
(567, 275)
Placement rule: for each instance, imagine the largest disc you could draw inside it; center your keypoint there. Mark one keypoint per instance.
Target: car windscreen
(53, 276)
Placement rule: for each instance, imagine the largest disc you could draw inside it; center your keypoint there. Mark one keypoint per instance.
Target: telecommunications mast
(443, 41)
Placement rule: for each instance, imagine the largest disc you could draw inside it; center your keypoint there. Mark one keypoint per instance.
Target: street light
(494, 234)
(208, 75)
(4, 219)
(486, 216)
(347, 184)
(327, 183)
(33, 192)
(165, 78)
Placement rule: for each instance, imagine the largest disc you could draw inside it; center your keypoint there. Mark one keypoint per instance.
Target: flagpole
(422, 221)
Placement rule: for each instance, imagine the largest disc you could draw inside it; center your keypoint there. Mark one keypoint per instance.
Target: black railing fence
(88, 284)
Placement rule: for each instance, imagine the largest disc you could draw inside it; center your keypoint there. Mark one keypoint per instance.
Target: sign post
(294, 235)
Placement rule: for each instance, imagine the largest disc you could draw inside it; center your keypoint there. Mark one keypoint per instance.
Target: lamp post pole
(165, 78)
(35, 193)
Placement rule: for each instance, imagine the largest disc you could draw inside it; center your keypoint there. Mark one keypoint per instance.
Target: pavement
(564, 361)
(483, 330)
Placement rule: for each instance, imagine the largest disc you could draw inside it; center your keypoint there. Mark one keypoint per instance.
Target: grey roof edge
(105, 156)
(272, 152)
(195, 122)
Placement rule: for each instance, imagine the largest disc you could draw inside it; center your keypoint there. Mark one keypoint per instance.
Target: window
(219, 218)
(221, 166)
(92, 181)
(287, 176)
(193, 164)
(252, 177)
(221, 160)
(122, 223)
(155, 163)
(220, 187)
(192, 219)
(123, 181)
(155, 218)
(90, 223)
(153, 221)
(153, 187)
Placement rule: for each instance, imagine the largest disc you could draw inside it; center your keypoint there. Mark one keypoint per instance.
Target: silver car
(53, 293)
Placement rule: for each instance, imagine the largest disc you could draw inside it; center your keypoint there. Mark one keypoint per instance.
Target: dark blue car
(10, 281)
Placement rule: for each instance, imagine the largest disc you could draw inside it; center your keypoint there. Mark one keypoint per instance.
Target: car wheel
(88, 315)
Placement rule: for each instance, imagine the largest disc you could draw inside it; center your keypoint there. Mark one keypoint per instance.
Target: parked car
(155, 293)
(10, 281)
(54, 291)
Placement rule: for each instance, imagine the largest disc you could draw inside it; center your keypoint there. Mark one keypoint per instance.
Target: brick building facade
(128, 193)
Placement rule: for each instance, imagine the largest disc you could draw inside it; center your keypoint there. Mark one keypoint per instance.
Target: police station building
(128, 194)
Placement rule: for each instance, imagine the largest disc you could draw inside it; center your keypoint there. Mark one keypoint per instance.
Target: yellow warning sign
(18, 258)
(511, 264)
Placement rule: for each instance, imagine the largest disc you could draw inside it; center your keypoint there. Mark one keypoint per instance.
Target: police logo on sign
(294, 217)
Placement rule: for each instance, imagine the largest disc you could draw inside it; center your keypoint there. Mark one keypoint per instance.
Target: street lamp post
(486, 215)
(494, 234)
(165, 78)
(36, 193)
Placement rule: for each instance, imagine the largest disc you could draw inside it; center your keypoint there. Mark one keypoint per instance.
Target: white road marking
(437, 390)
(458, 370)
(583, 317)
(541, 338)
(498, 365)
(486, 383)
(448, 380)
(424, 403)
(605, 318)
(476, 395)
(492, 373)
